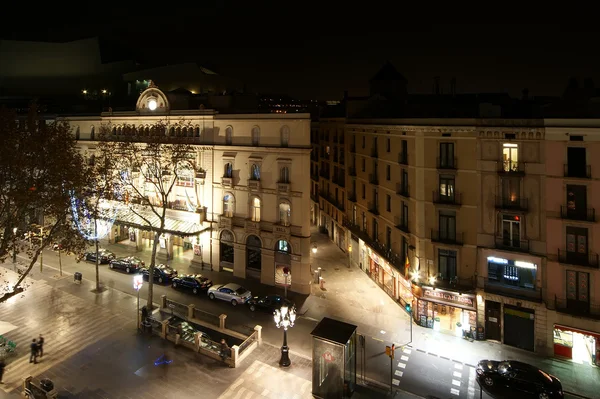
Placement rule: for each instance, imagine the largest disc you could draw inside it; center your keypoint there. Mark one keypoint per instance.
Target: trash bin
(46, 384)
(77, 276)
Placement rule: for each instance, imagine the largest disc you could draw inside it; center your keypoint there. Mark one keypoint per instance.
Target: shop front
(581, 346)
(447, 311)
(388, 278)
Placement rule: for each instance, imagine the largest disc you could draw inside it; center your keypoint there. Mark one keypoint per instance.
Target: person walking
(40, 346)
(2, 365)
(34, 352)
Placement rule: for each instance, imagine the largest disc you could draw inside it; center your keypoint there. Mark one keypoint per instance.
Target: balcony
(394, 259)
(314, 177)
(577, 308)
(589, 259)
(402, 189)
(373, 208)
(227, 181)
(512, 291)
(254, 185)
(324, 174)
(352, 171)
(403, 158)
(333, 201)
(353, 148)
(446, 237)
(352, 197)
(447, 163)
(314, 197)
(374, 153)
(201, 174)
(446, 199)
(283, 187)
(515, 245)
(373, 178)
(454, 284)
(580, 172)
(225, 222)
(587, 215)
(251, 226)
(512, 203)
(401, 224)
(511, 168)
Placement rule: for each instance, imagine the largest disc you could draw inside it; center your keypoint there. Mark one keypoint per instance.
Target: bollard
(258, 330)
(222, 321)
(322, 283)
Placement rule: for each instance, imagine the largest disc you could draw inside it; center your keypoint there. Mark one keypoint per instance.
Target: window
(511, 231)
(364, 222)
(447, 188)
(511, 189)
(185, 178)
(228, 135)
(92, 133)
(577, 244)
(447, 222)
(388, 172)
(284, 175)
(446, 155)
(283, 246)
(228, 205)
(285, 136)
(364, 165)
(517, 273)
(578, 289)
(404, 180)
(227, 251)
(388, 145)
(404, 214)
(255, 135)
(284, 214)
(228, 172)
(510, 157)
(375, 230)
(388, 237)
(447, 264)
(354, 214)
(255, 209)
(255, 172)
(364, 191)
(388, 203)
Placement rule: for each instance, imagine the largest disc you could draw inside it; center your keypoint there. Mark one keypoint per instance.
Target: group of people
(37, 349)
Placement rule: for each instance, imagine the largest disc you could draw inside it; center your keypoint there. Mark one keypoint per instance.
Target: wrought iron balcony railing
(585, 215)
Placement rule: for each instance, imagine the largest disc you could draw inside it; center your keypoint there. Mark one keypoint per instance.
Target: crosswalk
(263, 381)
(64, 321)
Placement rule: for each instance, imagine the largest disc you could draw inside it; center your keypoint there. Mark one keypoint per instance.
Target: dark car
(162, 273)
(104, 255)
(194, 282)
(129, 264)
(513, 378)
(269, 303)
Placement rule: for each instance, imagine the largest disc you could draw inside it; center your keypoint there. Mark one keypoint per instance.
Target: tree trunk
(97, 254)
(151, 271)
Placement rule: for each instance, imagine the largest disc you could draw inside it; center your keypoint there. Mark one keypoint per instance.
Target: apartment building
(572, 195)
(246, 210)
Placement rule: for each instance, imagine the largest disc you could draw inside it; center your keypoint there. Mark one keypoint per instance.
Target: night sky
(307, 58)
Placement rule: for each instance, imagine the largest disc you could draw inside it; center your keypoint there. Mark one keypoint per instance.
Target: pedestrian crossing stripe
(402, 365)
(457, 374)
(405, 358)
(396, 382)
(456, 382)
(454, 391)
(399, 373)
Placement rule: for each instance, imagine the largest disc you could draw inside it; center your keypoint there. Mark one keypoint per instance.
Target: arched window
(255, 172)
(285, 136)
(228, 172)
(253, 253)
(114, 130)
(197, 131)
(284, 175)
(228, 135)
(171, 131)
(184, 131)
(227, 250)
(255, 135)
(283, 246)
(228, 205)
(92, 133)
(285, 214)
(255, 209)
(119, 130)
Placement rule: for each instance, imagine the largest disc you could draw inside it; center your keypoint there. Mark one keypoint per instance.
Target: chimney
(436, 85)
(453, 87)
(525, 94)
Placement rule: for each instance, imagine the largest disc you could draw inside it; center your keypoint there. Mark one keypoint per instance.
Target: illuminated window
(255, 209)
(284, 175)
(228, 205)
(510, 157)
(255, 172)
(228, 172)
(284, 214)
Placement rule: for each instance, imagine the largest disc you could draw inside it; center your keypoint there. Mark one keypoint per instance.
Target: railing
(373, 208)
(401, 224)
(577, 308)
(587, 215)
(583, 173)
(206, 317)
(403, 158)
(373, 178)
(447, 237)
(352, 171)
(447, 163)
(352, 197)
(394, 259)
(402, 189)
(249, 341)
(455, 283)
(314, 197)
(589, 259)
(177, 308)
(515, 203)
(438, 198)
(511, 167)
(510, 244)
(498, 287)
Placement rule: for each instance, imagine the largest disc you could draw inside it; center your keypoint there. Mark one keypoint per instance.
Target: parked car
(162, 273)
(268, 303)
(104, 255)
(514, 378)
(195, 282)
(129, 264)
(233, 293)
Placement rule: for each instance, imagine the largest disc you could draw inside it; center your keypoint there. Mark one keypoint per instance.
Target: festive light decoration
(84, 220)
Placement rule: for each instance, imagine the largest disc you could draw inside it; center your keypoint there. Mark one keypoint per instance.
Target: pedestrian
(2, 365)
(34, 352)
(225, 351)
(41, 346)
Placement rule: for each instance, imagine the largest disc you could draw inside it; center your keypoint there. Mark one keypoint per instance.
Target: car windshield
(240, 291)
(201, 279)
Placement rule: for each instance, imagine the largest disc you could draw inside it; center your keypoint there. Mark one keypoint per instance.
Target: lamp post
(285, 318)
(14, 245)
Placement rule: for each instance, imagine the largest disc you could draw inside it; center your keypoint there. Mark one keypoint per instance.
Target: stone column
(258, 330)
(267, 270)
(139, 241)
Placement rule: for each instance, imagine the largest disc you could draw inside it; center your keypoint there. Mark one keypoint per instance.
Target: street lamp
(14, 245)
(314, 248)
(285, 318)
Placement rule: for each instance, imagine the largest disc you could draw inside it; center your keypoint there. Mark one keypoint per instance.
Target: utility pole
(42, 251)
(389, 350)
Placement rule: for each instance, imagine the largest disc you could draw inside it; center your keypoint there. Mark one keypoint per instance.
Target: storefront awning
(140, 218)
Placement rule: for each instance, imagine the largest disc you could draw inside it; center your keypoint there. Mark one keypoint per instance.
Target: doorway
(492, 321)
(577, 162)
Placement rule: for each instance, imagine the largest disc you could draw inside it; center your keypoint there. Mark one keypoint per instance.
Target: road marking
(377, 339)
(402, 365)
(454, 391)
(405, 358)
(471, 389)
(399, 373)
(407, 351)
(456, 382)
(458, 366)
(457, 374)
(396, 382)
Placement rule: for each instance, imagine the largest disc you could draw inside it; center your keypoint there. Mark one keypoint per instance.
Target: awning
(140, 218)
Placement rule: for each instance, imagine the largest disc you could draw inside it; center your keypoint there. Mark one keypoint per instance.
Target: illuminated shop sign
(450, 298)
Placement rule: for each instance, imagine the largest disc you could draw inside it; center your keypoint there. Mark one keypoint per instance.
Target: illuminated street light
(285, 318)
(84, 91)
(314, 248)
(14, 245)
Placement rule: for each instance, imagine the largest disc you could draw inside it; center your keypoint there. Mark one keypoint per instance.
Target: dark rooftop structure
(334, 330)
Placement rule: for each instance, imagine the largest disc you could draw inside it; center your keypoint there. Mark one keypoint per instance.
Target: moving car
(514, 378)
(269, 303)
(231, 292)
(129, 264)
(104, 255)
(162, 273)
(195, 282)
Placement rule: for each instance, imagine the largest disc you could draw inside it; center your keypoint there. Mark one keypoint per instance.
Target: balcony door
(577, 245)
(511, 190)
(511, 231)
(578, 291)
(447, 155)
(576, 201)
(576, 162)
(447, 226)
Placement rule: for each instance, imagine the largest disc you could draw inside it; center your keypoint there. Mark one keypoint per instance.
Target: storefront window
(517, 273)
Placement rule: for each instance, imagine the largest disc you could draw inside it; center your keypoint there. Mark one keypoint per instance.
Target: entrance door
(519, 327)
(492, 321)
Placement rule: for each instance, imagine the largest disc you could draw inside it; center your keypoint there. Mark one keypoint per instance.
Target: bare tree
(145, 170)
(40, 169)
